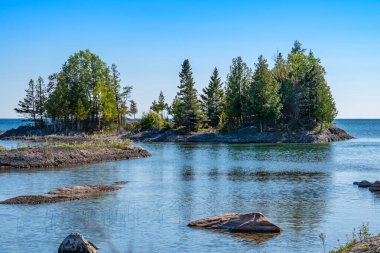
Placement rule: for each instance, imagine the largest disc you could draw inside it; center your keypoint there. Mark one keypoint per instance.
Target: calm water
(305, 189)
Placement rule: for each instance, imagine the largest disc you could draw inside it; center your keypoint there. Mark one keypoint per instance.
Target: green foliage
(86, 94)
(2, 149)
(133, 108)
(264, 95)
(151, 121)
(186, 108)
(213, 99)
(160, 106)
(362, 234)
(32, 106)
(237, 86)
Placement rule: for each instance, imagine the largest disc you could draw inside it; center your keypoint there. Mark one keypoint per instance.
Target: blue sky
(148, 40)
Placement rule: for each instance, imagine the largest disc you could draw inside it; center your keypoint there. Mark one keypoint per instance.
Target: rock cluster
(238, 222)
(373, 187)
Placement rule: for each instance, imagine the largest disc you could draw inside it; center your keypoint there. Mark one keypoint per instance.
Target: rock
(62, 194)
(375, 187)
(81, 190)
(76, 243)
(238, 222)
(56, 156)
(364, 184)
(120, 182)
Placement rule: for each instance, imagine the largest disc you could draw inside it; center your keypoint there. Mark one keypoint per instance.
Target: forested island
(290, 102)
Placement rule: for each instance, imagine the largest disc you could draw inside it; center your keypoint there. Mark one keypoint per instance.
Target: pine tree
(265, 94)
(281, 73)
(325, 109)
(188, 112)
(159, 106)
(213, 99)
(133, 108)
(27, 106)
(40, 100)
(236, 102)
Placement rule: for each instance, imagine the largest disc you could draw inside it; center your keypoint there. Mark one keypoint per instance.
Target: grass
(362, 234)
(117, 144)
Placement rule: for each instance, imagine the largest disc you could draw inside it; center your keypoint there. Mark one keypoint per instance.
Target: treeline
(86, 95)
(293, 95)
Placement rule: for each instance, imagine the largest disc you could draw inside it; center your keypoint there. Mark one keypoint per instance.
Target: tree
(281, 74)
(159, 106)
(27, 106)
(188, 113)
(236, 102)
(325, 111)
(133, 108)
(265, 94)
(87, 93)
(213, 99)
(40, 100)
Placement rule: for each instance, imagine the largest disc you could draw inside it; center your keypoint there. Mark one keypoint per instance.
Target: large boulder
(76, 243)
(375, 187)
(238, 222)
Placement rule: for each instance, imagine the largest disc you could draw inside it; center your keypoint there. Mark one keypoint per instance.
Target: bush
(151, 121)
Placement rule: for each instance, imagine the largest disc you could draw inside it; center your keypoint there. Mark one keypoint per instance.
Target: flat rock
(238, 222)
(375, 187)
(76, 243)
(56, 156)
(62, 194)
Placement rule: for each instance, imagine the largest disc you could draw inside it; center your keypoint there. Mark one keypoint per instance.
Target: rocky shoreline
(60, 156)
(246, 135)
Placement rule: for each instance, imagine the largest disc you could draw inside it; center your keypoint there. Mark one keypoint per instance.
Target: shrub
(151, 120)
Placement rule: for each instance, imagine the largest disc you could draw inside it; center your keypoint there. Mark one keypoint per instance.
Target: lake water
(305, 189)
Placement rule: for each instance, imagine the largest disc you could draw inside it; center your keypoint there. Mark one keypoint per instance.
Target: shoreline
(241, 136)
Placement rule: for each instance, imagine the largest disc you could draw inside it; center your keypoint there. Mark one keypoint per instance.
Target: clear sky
(148, 40)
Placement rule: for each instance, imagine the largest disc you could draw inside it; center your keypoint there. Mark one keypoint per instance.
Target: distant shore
(245, 135)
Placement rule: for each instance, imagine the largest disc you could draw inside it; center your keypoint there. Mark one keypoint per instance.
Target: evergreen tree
(159, 106)
(213, 99)
(27, 107)
(236, 102)
(133, 108)
(40, 100)
(281, 73)
(265, 94)
(188, 112)
(325, 110)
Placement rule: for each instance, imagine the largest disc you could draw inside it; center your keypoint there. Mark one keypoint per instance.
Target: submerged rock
(120, 182)
(76, 243)
(238, 222)
(363, 184)
(62, 194)
(375, 187)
